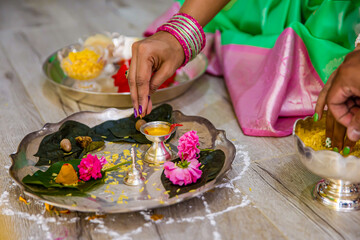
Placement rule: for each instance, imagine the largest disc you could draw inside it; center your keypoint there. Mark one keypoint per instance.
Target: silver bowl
(339, 188)
(108, 97)
(157, 153)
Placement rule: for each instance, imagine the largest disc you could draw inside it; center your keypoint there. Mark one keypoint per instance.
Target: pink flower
(90, 167)
(102, 160)
(188, 146)
(184, 172)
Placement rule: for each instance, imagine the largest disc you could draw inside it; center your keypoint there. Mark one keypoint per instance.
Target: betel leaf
(46, 178)
(49, 150)
(161, 113)
(55, 191)
(212, 161)
(91, 147)
(115, 130)
(124, 129)
(44, 182)
(103, 129)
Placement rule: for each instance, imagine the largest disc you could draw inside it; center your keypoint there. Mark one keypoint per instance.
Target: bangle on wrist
(188, 32)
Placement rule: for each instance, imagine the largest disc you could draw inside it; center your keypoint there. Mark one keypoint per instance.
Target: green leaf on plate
(115, 131)
(50, 152)
(91, 147)
(161, 113)
(45, 181)
(123, 130)
(213, 161)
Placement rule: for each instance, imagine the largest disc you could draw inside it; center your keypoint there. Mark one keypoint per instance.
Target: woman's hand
(162, 54)
(342, 96)
(154, 60)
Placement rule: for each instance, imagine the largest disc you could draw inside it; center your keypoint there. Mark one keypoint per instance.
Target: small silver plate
(108, 97)
(107, 195)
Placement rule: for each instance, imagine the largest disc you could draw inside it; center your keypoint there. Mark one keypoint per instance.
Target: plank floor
(266, 194)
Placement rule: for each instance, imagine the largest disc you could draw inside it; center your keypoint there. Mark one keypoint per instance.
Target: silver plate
(185, 77)
(23, 162)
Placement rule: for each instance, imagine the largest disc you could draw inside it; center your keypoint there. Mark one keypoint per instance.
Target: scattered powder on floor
(211, 218)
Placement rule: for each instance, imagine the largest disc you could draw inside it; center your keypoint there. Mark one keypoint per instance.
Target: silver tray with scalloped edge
(107, 195)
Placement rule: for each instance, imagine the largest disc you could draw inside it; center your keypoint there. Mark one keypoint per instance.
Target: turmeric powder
(67, 175)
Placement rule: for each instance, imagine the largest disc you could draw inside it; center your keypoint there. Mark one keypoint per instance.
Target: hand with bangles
(341, 94)
(176, 42)
(149, 56)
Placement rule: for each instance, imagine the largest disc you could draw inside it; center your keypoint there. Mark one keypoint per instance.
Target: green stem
(117, 166)
(207, 149)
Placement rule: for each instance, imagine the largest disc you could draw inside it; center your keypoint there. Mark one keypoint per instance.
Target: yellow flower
(82, 65)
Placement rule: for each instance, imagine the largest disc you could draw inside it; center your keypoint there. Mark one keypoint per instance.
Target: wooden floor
(267, 194)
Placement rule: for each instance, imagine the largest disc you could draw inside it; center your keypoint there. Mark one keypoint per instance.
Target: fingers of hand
(338, 136)
(143, 75)
(353, 131)
(330, 123)
(149, 107)
(342, 95)
(160, 76)
(132, 80)
(140, 72)
(320, 104)
(335, 134)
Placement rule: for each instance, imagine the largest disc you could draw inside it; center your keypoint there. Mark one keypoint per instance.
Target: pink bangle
(179, 38)
(186, 28)
(188, 32)
(198, 26)
(183, 36)
(190, 24)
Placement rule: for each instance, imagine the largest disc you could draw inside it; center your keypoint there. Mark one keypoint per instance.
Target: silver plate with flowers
(113, 196)
(99, 80)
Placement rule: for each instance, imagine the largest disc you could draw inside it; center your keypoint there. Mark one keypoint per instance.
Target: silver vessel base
(337, 195)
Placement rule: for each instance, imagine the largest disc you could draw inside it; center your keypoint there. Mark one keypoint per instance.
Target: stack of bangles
(188, 32)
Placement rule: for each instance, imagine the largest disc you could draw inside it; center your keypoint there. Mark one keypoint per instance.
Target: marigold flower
(82, 65)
